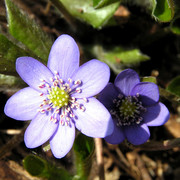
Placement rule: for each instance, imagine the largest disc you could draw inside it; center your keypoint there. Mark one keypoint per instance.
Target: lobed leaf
(169, 96)
(102, 3)
(83, 149)
(175, 25)
(174, 86)
(34, 165)
(149, 79)
(9, 52)
(163, 10)
(84, 10)
(118, 56)
(27, 31)
(10, 81)
(39, 167)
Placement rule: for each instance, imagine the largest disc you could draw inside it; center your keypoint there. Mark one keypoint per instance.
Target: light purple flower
(134, 106)
(60, 98)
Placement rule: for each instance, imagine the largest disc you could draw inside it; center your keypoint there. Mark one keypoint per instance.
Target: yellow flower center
(58, 97)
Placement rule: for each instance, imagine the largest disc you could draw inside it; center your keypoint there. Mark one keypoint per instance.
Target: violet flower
(60, 98)
(134, 106)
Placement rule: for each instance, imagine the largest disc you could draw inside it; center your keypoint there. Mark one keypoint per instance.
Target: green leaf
(84, 10)
(118, 56)
(169, 96)
(7, 81)
(9, 52)
(27, 31)
(84, 150)
(149, 79)
(102, 3)
(121, 55)
(174, 86)
(96, 2)
(163, 10)
(175, 25)
(39, 167)
(34, 165)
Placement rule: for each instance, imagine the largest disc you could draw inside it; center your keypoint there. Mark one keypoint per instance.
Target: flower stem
(99, 155)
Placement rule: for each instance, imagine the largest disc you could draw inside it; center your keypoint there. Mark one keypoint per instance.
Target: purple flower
(60, 98)
(134, 106)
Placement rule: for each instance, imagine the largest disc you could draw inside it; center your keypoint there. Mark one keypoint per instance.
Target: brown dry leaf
(173, 126)
(150, 164)
(131, 158)
(122, 15)
(108, 162)
(122, 11)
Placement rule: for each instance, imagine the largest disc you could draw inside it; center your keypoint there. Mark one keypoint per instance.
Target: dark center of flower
(127, 110)
(127, 107)
(58, 97)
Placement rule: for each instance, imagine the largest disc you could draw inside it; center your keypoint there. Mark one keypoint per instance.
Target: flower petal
(64, 56)
(39, 130)
(117, 136)
(95, 121)
(107, 95)
(62, 141)
(137, 134)
(33, 72)
(156, 115)
(94, 76)
(23, 105)
(149, 93)
(126, 80)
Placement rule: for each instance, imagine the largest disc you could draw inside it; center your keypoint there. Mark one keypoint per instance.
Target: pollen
(58, 97)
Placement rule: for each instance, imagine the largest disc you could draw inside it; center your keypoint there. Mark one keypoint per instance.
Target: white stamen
(82, 108)
(85, 99)
(78, 90)
(70, 80)
(62, 122)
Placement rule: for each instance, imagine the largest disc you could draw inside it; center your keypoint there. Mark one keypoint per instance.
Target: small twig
(122, 165)
(47, 8)
(12, 143)
(159, 146)
(159, 170)
(121, 156)
(141, 166)
(99, 155)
